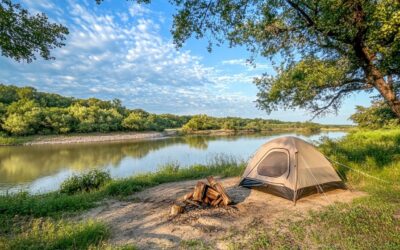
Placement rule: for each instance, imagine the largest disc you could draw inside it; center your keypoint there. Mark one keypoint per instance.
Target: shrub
(86, 182)
(378, 115)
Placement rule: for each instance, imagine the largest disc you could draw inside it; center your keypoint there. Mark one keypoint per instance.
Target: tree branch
(349, 88)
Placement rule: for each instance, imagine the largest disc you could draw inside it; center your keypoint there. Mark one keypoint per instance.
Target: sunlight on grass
(52, 234)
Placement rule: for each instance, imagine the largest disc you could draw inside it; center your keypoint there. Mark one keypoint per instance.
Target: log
(199, 191)
(188, 196)
(217, 202)
(212, 194)
(207, 200)
(220, 189)
(194, 203)
(176, 209)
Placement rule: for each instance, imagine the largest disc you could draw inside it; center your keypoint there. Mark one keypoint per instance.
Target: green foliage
(201, 122)
(311, 128)
(58, 121)
(23, 36)
(14, 140)
(89, 181)
(305, 84)
(95, 118)
(56, 234)
(329, 48)
(24, 111)
(135, 121)
(379, 115)
(204, 122)
(23, 117)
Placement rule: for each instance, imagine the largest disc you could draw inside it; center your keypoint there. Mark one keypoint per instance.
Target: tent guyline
(359, 171)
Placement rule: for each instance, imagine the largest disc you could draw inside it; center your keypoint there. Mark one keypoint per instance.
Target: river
(41, 168)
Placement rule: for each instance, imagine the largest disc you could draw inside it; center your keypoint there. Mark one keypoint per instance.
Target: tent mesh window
(275, 164)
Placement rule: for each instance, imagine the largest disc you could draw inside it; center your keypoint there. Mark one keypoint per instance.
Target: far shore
(99, 137)
(135, 136)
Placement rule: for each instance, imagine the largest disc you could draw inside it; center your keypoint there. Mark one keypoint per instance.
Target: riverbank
(84, 138)
(91, 220)
(135, 136)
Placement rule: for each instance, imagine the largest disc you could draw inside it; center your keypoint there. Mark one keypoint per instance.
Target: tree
(23, 35)
(201, 122)
(379, 115)
(330, 48)
(22, 117)
(135, 121)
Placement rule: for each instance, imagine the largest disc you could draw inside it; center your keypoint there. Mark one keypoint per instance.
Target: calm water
(42, 168)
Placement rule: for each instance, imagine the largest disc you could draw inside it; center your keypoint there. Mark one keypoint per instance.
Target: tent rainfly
(291, 168)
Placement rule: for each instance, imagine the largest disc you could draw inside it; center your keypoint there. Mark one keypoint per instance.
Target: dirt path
(145, 221)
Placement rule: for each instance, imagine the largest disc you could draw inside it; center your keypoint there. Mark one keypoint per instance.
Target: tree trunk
(386, 90)
(377, 79)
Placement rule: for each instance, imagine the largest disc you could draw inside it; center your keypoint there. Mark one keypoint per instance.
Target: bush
(378, 115)
(86, 182)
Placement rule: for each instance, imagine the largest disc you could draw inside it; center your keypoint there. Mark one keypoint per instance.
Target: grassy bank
(44, 216)
(15, 140)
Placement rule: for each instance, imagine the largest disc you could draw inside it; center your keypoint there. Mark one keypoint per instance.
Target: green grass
(41, 216)
(194, 245)
(55, 234)
(57, 203)
(371, 222)
(14, 140)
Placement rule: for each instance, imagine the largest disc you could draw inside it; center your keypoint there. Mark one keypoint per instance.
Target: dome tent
(291, 168)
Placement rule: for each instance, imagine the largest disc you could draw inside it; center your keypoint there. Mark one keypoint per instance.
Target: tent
(291, 168)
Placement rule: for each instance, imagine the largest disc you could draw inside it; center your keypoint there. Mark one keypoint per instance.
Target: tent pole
(296, 167)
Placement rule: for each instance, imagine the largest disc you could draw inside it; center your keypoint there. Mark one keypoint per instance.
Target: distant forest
(26, 111)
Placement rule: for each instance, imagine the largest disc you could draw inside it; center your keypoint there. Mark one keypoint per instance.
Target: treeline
(204, 122)
(26, 111)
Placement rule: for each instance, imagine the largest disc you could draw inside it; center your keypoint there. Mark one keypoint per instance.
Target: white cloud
(250, 66)
(120, 53)
(241, 62)
(109, 57)
(138, 10)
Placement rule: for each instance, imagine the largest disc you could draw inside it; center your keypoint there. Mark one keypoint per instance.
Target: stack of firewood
(211, 194)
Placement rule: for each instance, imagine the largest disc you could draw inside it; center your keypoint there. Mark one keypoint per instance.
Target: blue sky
(123, 50)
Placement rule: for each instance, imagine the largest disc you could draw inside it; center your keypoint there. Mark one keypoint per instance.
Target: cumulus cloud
(246, 64)
(122, 55)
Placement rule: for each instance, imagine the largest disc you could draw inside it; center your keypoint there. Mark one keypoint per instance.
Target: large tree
(24, 35)
(329, 48)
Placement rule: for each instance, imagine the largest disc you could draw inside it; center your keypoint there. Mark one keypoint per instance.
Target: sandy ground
(90, 138)
(144, 220)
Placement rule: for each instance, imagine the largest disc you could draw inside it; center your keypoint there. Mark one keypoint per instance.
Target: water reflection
(42, 168)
